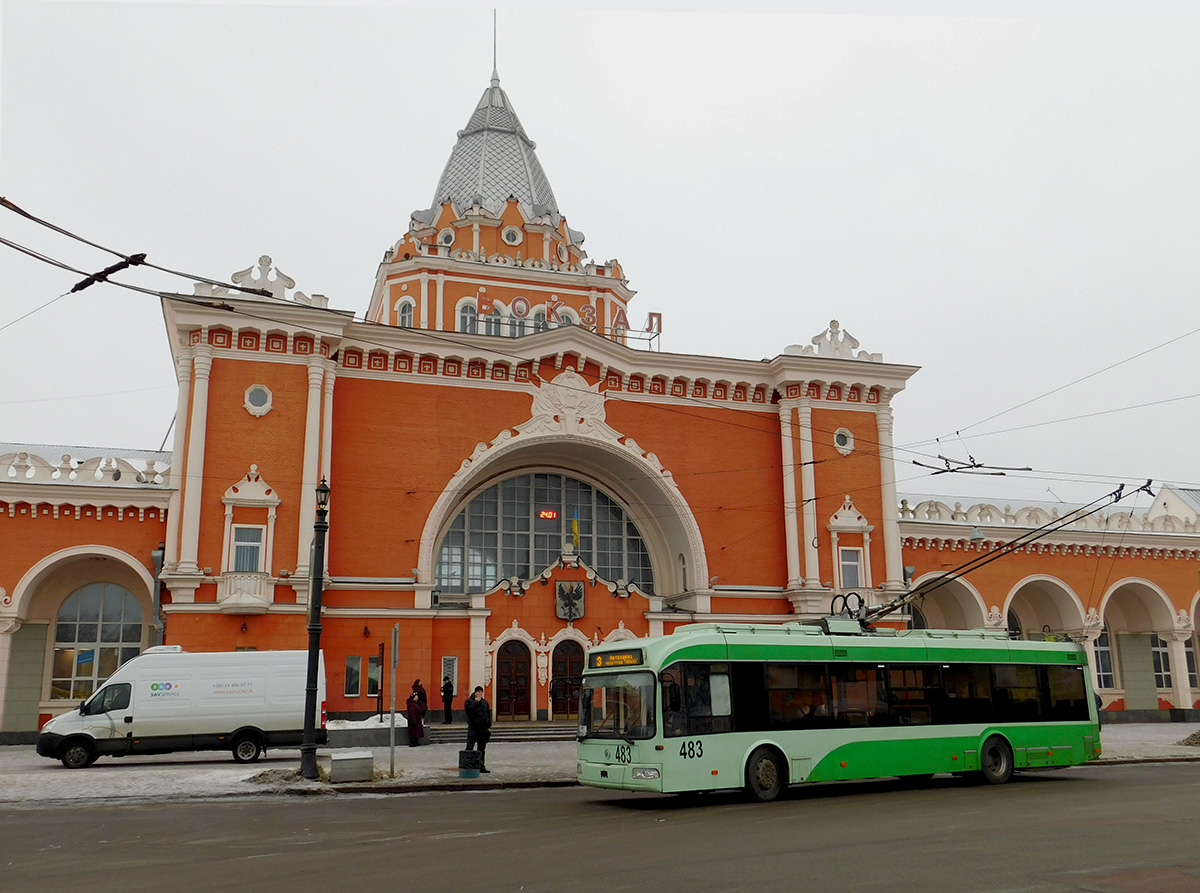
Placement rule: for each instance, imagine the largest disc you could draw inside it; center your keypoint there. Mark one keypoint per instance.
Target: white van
(168, 699)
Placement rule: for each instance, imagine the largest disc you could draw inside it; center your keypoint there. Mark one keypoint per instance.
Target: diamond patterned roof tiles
(494, 158)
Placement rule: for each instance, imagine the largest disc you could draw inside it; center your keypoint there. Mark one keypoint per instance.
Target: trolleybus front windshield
(617, 705)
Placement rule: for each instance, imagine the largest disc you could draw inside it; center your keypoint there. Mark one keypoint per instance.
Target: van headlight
(646, 772)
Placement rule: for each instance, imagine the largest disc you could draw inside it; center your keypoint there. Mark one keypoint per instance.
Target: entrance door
(512, 682)
(566, 667)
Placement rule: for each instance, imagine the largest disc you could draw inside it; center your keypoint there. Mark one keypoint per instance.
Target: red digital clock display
(548, 514)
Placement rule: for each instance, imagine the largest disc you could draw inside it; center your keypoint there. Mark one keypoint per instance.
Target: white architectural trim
(27, 587)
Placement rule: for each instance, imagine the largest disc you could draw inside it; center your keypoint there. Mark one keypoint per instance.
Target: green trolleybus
(716, 706)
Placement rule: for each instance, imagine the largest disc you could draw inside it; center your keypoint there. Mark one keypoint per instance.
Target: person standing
(447, 698)
(416, 726)
(419, 691)
(479, 724)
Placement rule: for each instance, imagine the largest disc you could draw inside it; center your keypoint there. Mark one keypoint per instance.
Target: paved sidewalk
(27, 780)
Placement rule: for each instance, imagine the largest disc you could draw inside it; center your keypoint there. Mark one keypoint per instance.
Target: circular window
(843, 441)
(446, 237)
(258, 400)
(512, 235)
(562, 252)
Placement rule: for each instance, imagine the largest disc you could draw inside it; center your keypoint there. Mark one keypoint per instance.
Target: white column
(1177, 647)
(424, 301)
(791, 530)
(194, 475)
(1089, 637)
(308, 474)
(327, 429)
(893, 560)
(808, 492)
(8, 629)
(441, 302)
(183, 376)
(476, 667)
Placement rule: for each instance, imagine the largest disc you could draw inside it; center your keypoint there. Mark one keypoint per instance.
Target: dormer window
(446, 237)
(512, 235)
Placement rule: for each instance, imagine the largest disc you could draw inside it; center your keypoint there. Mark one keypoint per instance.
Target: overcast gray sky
(1011, 204)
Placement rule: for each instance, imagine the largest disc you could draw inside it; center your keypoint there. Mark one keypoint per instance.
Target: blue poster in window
(83, 662)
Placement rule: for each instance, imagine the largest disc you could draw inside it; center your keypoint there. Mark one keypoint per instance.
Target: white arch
(1058, 587)
(1162, 619)
(643, 491)
(974, 599)
(27, 587)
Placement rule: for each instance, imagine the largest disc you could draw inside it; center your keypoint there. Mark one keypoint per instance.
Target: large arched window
(517, 528)
(98, 628)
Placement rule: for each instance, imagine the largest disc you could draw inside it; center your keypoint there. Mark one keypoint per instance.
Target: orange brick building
(516, 477)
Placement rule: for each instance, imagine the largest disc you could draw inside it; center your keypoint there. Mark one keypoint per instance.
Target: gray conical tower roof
(494, 159)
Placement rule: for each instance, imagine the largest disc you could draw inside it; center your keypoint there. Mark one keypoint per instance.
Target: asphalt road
(1115, 828)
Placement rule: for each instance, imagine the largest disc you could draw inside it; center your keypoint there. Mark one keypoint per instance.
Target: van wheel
(995, 761)
(78, 755)
(247, 749)
(764, 776)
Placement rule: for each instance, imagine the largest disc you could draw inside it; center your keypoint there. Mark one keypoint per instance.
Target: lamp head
(322, 495)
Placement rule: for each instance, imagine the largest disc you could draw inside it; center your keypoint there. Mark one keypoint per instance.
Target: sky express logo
(164, 690)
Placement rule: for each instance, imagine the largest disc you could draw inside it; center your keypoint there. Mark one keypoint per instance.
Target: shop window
(353, 676)
(97, 629)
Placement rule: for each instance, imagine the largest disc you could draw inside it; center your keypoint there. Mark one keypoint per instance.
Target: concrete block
(353, 766)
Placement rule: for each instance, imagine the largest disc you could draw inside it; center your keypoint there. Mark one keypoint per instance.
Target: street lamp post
(308, 750)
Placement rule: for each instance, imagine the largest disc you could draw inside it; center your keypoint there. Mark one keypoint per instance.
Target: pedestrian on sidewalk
(419, 691)
(479, 724)
(447, 698)
(416, 725)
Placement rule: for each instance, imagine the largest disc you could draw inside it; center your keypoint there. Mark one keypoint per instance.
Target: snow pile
(373, 722)
(1192, 740)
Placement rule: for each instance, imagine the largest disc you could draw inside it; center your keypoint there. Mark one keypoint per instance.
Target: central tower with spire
(493, 254)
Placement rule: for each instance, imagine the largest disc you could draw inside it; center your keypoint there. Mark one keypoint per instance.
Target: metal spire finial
(495, 70)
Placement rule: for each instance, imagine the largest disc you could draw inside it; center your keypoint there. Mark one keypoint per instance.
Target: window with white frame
(492, 323)
(1162, 661)
(851, 561)
(248, 548)
(450, 671)
(404, 315)
(1190, 654)
(516, 327)
(353, 675)
(468, 319)
(1106, 676)
(539, 321)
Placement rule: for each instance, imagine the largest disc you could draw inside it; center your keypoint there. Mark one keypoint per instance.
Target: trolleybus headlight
(645, 773)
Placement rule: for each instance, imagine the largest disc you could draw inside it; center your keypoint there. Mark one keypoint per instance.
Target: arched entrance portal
(565, 669)
(512, 682)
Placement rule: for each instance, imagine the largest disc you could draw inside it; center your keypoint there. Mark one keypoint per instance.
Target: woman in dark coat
(416, 725)
(419, 691)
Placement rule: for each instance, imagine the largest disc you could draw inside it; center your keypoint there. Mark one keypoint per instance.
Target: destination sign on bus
(604, 660)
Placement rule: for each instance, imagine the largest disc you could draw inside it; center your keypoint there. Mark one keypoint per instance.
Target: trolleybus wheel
(765, 777)
(995, 761)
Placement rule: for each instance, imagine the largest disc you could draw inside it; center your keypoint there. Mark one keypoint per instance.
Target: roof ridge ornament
(836, 343)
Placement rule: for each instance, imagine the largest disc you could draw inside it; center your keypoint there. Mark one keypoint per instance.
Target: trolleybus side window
(797, 696)
(1068, 696)
(859, 696)
(1016, 693)
(968, 694)
(696, 699)
(915, 691)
